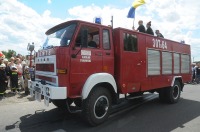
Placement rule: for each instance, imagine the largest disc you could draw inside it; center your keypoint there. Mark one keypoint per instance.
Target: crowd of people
(14, 75)
(196, 73)
(149, 30)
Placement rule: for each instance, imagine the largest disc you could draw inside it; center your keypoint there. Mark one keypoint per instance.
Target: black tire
(173, 93)
(78, 102)
(96, 108)
(162, 95)
(62, 103)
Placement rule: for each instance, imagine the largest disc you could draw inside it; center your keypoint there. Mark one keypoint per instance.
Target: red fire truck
(89, 65)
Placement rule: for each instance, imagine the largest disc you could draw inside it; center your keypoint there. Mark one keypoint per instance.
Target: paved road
(151, 116)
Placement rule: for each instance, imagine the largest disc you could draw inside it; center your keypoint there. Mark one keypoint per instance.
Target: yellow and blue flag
(136, 3)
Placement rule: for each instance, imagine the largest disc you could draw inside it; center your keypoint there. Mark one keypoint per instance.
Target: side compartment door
(88, 60)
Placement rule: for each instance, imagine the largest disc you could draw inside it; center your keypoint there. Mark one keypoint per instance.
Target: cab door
(133, 63)
(87, 61)
(108, 51)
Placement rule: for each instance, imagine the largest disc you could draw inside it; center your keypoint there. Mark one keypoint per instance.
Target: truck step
(73, 109)
(133, 97)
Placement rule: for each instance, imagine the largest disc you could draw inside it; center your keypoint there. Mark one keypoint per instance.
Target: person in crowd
(14, 79)
(197, 73)
(2, 56)
(12, 64)
(3, 80)
(159, 34)
(26, 78)
(30, 59)
(141, 27)
(149, 29)
(20, 72)
(9, 80)
(91, 43)
(193, 72)
(7, 70)
(23, 60)
(23, 68)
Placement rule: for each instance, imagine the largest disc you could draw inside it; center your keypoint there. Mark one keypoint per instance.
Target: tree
(8, 54)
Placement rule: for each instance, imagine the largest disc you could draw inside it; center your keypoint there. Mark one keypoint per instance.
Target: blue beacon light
(98, 20)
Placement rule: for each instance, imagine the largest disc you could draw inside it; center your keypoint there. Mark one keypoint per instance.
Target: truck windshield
(61, 37)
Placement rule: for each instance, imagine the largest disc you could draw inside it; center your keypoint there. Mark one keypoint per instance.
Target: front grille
(45, 67)
(49, 79)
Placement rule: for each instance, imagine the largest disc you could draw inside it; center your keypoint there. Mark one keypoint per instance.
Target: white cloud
(21, 25)
(176, 19)
(49, 1)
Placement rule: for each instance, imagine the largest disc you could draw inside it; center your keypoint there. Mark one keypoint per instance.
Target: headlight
(47, 91)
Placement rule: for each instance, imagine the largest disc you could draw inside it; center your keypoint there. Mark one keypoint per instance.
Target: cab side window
(106, 39)
(93, 37)
(130, 42)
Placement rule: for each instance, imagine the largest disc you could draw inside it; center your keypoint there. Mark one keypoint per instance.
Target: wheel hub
(101, 107)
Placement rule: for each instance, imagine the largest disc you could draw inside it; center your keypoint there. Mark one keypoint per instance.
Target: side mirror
(84, 38)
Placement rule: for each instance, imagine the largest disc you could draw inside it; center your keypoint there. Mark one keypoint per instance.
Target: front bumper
(48, 91)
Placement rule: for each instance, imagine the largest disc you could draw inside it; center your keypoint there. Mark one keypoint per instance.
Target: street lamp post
(30, 48)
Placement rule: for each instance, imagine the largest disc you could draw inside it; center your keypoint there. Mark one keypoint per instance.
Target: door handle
(98, 54)
(107, 53)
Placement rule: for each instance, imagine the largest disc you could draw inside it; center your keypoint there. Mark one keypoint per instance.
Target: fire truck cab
(89, 65)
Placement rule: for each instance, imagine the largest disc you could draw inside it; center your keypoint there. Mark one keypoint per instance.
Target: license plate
(38, 96)
(37, 89)
(46, 101)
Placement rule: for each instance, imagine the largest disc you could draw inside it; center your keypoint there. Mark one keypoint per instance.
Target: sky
(26, 21)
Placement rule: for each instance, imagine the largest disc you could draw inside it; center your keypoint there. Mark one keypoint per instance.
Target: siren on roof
(97, 20)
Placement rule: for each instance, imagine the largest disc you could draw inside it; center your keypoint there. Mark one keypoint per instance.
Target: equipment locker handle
(98, 54)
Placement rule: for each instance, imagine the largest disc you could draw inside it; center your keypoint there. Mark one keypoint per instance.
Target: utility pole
(30, 48)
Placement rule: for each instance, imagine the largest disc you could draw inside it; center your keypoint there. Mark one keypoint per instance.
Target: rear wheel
(96, 108)
(171, 94)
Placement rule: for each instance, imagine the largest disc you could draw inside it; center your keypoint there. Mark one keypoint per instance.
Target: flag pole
(133, 24)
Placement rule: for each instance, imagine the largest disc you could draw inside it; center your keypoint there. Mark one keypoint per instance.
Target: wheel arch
(179, 79)
(110, 88)
(100, 79)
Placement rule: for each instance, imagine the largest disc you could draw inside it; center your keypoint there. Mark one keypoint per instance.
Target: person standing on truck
(149, 29)
(91, 43)
(141, 27)
(159, 34)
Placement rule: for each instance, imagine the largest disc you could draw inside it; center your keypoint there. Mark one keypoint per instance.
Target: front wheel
(96, 108)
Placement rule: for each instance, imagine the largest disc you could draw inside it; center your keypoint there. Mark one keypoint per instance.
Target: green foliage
(8, 54)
